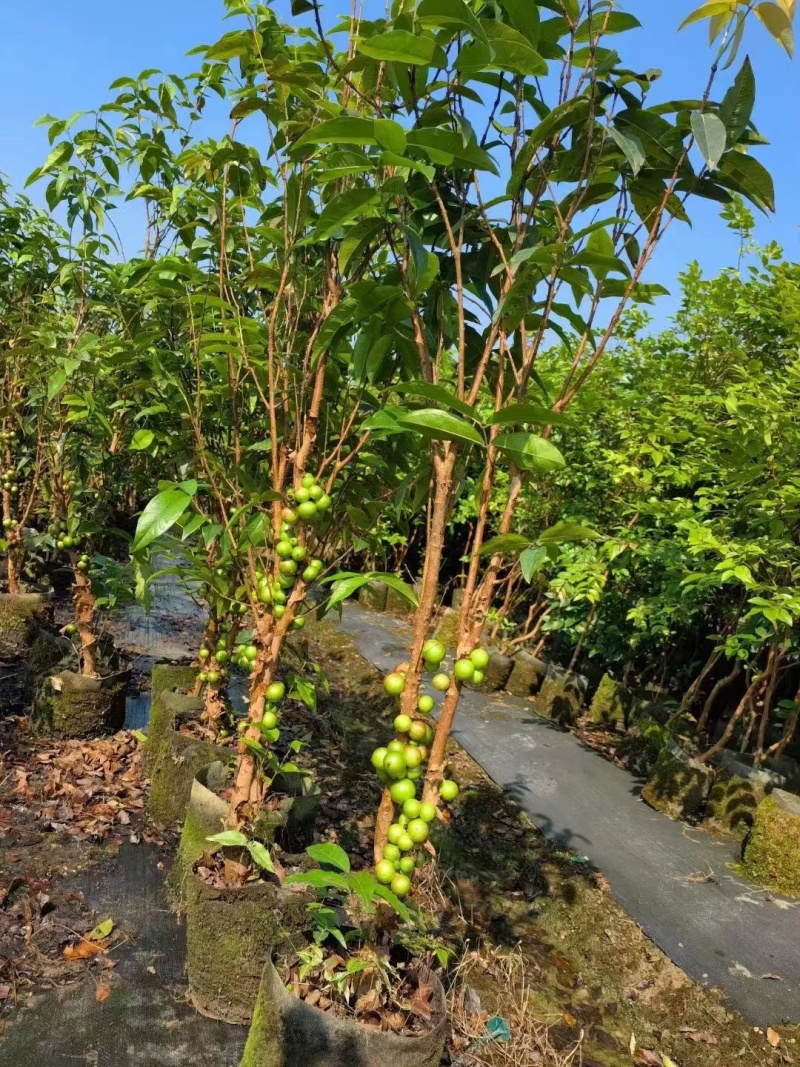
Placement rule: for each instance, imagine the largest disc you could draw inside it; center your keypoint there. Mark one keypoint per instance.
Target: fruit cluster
(310, 499)
(10, 481)
(213, 660)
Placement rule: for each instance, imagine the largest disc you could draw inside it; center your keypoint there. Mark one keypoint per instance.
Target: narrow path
(720, 930)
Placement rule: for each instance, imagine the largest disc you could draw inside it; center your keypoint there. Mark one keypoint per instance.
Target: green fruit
(413, 757)
(241, 609)
(402, 822)
(299, 553)
(477, 678)
(251, 651)
(203, 676)
(448, 790)
(434, 651)
(278, 595)
(403, 790)
(299, 622)
(391, 852)
(385, 872)
(276, 692)
(279, 610)
(463, 669)
(412, 808)
(308, 481)
(222, 657)
(394, 684)
(419, 729)
(283, 549)
(70, 629)
(264, 594)
(426, 705)
(203, 653)
(269, 720)
(317, 564)
(400, 885)
(81, 564)
(406, 843)
(395, 766)
(418, 831)
(407, 864)
(316, 493)
(441, 682)
(480, 657)
(69, 542)
(414, 773)
(307, 511)
(402, 724)
(286, 581)
(310, 574)
(213, 677)
(301, 495)
(427, 812)
(59, 544)
(396, 745)
(395, 832)
(377, 758)
(288, 566)
(289, 516)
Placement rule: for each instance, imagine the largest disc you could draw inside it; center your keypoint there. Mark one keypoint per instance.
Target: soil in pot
(21, 616)
(291, 1032)
(72, 705)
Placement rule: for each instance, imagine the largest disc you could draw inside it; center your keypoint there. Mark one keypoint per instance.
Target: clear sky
(59, 56)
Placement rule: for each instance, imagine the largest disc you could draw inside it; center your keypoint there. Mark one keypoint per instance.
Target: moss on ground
(731, 805)
(772, 854)
(21, 615)
(610, 703)
(82, 707)
(558, 700)
(641, 746)
(527, 675)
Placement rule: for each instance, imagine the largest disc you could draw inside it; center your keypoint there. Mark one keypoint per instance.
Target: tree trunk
(693, 691)
(788, 730)
(728, 732)
(712, 696)
(83, 600)
(775, 661)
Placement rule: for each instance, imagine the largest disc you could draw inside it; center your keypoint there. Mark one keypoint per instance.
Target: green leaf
(446, 13)
(570, 113)
(358, 238)
(531, 561)
(401, 46)
(333, 855)
(447, 148)
(631, 148)
(390, 135)
(141, 440)
(345, 583)
(747, 176)
(662, 142)
(160, 515)
(529, 452)
(140, 737)
(342, 209)
(261, 856)
(524, 17)
(567, 531)
(778, 24)
(707, 11)
(57, 382)
(533, 413)
(100, 931)
(318, 880)
(440, 425)
(513, 51)
(400, 908)
(602, 21)
(738, 103)
(710, 136)
(347, 129)
(437, 393)
(229, 839)
(505, 543)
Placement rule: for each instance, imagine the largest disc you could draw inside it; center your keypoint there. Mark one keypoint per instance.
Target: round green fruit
(278, 610)
(418, 730)
(70, 629)
(203, 676)
(414, 773)
(395, 765)
(324, 503)
(441, 682)
(385, 872)
(396, 745)
(377, 758)
(427, 812)
(395, 832)
(276, 692)
(403, 790)
(251, 651)
(299, 622)
(283, 549)
(407, 864)
(418, 831)
(270, 720)
(394, 684)
(463, 669)
(310, 574)
(406, 843)
(289, 516)
(413, 757)
(316, 493)
(477, 678)
(307, 511)
(213, 677)
(480, 657)
(301, 495)
(222, 657)
(400, 884)
(391, 852)
(426, 705)
(412, 808)
(434, 651)
(289, 566)
(299, 553)
(402, 724)
(448, 790)
(308, 481)
(203, 653)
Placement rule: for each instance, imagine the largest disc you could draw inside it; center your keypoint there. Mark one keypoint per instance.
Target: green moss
(178, 760)
(527, 675)
(230, 935)
(731, 804)
(82, 707)
(21, 615)
(610, 703)
(557, 700)
(166, 678)
(772, 855)
(641, 746)
(678, 787)
(447, 629)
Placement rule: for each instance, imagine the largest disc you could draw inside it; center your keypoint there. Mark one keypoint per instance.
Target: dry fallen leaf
(84, 950)
(648, 1058)
(420, 1002)
(702, 1039)
(103, 992)
(772, 977)
(773, 1037)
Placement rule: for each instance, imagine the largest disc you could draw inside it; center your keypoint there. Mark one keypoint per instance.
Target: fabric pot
(75, 706)
(165, 678)
(21, 615)
(286, 1032)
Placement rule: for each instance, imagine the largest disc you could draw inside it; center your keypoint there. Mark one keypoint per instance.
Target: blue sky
(59, 57)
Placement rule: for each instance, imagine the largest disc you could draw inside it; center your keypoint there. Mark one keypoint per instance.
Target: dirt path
(674, 880)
